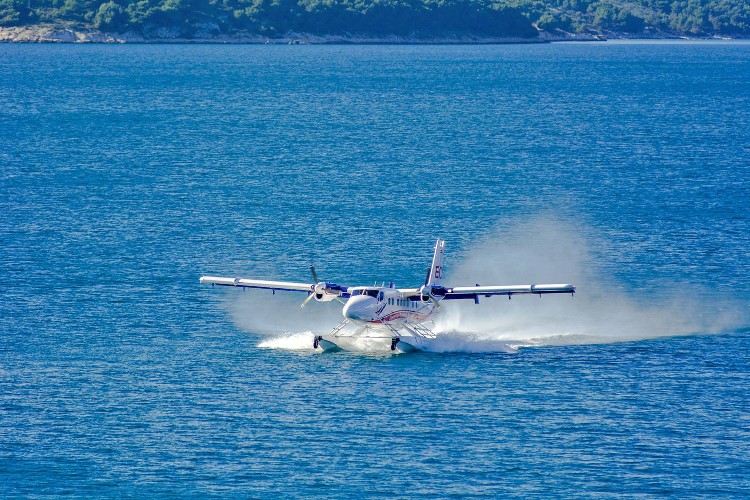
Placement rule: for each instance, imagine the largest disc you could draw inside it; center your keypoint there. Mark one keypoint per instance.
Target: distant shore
(64, 34)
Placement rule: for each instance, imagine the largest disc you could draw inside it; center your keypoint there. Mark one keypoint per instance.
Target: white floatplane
(400, 314)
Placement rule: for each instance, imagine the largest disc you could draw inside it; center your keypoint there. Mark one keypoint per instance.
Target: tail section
(436, 271)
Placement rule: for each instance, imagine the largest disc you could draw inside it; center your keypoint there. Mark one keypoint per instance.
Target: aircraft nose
(358, 308)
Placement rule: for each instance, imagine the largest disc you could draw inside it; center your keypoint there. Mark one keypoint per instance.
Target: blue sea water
(126, 172)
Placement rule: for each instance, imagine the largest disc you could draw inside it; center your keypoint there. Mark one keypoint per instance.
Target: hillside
(377, 19)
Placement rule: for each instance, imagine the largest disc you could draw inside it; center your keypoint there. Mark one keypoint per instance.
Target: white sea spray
(546, 249)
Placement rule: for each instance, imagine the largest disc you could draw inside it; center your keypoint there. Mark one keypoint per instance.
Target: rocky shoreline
(67, 34)
(58, 34)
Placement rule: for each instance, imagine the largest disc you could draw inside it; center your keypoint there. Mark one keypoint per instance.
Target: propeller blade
(308, 299)
(314, 274)
(435, 301)
(427, 278)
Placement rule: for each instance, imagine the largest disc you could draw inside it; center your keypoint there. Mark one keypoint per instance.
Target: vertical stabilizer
(436, 271)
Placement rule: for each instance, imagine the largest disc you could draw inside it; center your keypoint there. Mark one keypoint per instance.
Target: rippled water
(129, 171)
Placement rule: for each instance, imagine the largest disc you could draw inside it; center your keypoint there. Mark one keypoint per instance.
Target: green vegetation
(417, 18)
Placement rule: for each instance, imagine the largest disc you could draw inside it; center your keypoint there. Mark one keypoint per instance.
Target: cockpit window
(372, 293)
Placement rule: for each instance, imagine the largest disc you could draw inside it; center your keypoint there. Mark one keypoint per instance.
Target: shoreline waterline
(67, 34)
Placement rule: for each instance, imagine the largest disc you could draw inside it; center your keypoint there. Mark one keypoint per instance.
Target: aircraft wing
(474, 292)
(268, 285)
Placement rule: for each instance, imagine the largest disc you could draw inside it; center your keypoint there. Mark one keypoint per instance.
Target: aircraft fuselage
(381, 305)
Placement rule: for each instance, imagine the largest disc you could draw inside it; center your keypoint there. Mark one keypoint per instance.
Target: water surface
(129, 171)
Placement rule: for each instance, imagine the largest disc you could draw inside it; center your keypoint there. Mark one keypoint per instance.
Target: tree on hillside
(613, 18)
(110, 17)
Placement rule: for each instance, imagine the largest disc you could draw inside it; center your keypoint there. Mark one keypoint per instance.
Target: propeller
(428, 292)
(427, 289)
(315, 288)
(322, 290)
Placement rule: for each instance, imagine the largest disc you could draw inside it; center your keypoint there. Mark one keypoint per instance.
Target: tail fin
(436, 271)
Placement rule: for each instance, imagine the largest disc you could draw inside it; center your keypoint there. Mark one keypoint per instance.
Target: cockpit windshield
(370, 292)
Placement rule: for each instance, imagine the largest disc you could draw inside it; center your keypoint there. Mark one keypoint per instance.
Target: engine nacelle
(431, 290)
(326, 292)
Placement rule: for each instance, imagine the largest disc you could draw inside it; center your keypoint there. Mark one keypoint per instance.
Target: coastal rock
(57, 34)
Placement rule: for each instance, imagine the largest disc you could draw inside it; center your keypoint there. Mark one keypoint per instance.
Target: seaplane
(402, 315)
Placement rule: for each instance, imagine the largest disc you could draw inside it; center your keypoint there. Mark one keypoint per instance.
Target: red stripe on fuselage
(404, 314)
